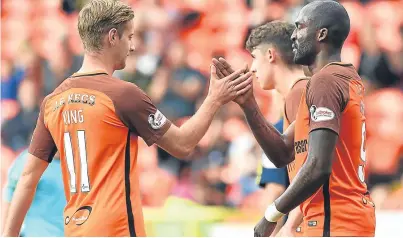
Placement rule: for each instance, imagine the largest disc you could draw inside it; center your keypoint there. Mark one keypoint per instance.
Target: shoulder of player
(116, 89)
(58, 90)
(293, 98)
(128, 88)
(337, 71)
(297, 89)
(298, 86)
(330, 77)
(128, 95)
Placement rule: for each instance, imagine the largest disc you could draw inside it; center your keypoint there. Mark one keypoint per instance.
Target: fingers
(225, 65)
(213, 72)
(244, 90)
(225, 69)
(240, 79)
(236, 74)
(220, 74)
(243, 84)
(221, 67)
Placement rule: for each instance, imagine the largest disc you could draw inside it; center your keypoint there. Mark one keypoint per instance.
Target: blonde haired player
(94, 121)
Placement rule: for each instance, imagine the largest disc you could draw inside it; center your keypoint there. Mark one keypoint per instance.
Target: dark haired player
(273, 65)
(329, 140)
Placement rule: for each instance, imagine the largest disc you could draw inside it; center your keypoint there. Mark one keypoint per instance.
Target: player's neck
(94, 62)
(324, 58)
(286, 80)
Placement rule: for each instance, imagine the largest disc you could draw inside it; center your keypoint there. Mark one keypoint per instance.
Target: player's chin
(266, 85)
(121, 65)
(300, 59)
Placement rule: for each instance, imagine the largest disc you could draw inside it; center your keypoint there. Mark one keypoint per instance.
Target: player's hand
(264, 228)
(224, 69)
(229, 87)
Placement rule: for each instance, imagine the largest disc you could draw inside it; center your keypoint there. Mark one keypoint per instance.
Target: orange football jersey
(290, 113)
(291, 104)
(94, 121)
(333, 100)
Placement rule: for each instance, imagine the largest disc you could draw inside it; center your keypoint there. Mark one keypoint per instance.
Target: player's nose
(132, 48)
(294, 36)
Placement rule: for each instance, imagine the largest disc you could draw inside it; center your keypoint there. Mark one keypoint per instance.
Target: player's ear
(271, 55)
(113, 36)
(323, 33)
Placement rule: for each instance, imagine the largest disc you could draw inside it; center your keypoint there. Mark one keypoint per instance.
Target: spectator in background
(60, 64)
(16, 132)
(177, 87)
(210, 186)
(384, 143)
(380, 67)
(45, 216)
(11, 77)
(214, 178)
(141, 66)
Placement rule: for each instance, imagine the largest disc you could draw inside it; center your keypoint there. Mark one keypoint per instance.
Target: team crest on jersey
(319, 114)
(157, 120)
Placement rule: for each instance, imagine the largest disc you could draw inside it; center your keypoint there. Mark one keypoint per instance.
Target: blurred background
(176, 40)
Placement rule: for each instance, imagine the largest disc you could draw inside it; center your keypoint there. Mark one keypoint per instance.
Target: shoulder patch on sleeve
(319, 114)
(157, 120)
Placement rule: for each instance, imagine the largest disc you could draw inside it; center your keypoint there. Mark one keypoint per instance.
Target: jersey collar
(93, 73)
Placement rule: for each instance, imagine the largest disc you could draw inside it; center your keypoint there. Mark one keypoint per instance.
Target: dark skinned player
(327, 140)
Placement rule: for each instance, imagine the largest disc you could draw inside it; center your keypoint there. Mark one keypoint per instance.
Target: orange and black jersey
(333, 100)
(94, 121)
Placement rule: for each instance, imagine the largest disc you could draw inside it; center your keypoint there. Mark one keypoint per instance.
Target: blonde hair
(98, 17)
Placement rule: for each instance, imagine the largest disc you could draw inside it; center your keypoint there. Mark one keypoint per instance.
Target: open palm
(223, 70)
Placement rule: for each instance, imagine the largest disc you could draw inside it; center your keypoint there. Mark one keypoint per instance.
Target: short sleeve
(42, 144)
(326, 97)
(140, 115)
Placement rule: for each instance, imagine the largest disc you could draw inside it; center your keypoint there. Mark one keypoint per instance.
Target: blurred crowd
(175, 41)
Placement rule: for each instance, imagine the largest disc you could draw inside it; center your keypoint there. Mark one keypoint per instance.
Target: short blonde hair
(98, 17)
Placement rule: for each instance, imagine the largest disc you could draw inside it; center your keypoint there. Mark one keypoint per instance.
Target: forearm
(314, 173)
(305, 184)
(18, 208)
(192, 131)
(270, 140)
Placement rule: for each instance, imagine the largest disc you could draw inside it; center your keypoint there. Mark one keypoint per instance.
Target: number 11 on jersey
(85, 183)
